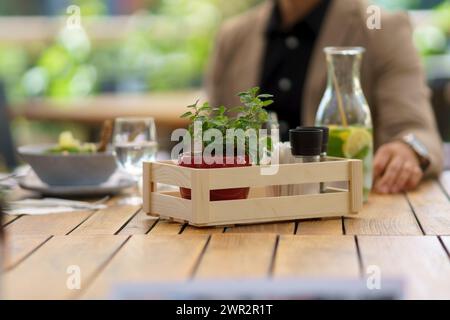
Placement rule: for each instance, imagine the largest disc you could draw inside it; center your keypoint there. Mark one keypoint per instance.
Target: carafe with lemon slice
(345, 111)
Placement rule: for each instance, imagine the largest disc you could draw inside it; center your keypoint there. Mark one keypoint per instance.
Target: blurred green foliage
(63, 69)
(430, 38)
(167, 49)
(91, 7)
(13, 63)
(433, 38)
(398, 4)
(441, 16)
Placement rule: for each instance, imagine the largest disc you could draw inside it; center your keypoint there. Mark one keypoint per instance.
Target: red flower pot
(198, 162)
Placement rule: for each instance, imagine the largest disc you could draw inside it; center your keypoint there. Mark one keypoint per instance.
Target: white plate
(115, 184)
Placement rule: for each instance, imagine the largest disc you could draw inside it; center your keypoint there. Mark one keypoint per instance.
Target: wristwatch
(420, 150)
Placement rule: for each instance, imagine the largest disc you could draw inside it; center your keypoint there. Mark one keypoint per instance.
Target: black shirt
(285, 62)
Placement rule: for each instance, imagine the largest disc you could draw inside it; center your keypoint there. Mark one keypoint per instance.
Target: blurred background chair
(441, 104)
(7, 150)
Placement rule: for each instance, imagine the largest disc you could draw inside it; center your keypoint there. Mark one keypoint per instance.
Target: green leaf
(205, 107)
(193, 105)
(267, 103)
(254, 91)
(186, 114)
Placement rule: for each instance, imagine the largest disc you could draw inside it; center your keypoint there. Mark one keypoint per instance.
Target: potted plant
(247, 118)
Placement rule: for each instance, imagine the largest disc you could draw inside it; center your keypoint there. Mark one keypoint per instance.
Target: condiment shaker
(306, 146)
(323, 151)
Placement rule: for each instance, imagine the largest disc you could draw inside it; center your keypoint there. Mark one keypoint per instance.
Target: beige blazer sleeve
(400, 93)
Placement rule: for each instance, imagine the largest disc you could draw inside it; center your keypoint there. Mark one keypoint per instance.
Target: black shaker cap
(306, 142)
(325, 132)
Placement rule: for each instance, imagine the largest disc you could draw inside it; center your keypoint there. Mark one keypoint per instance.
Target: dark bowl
(71, 169)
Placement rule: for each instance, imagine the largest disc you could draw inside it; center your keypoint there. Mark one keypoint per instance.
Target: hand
(396, 168)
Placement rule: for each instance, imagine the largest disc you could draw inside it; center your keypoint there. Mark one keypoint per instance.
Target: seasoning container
(323, 151)
(306, 146)
(283, 156)
(324, 145)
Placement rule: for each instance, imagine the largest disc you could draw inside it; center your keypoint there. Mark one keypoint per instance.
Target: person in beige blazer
(392, 78)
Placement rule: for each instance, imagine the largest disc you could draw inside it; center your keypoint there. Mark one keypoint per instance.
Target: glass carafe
(345, 111)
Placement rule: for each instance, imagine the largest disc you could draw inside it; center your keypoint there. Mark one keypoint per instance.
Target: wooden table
(405, 235)
(165, 107)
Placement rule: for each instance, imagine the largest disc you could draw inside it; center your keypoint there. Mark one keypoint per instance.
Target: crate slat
(172, 174)
(278, 208)
(356, 185)
(169, 173)
(170, 206)
(287, 174)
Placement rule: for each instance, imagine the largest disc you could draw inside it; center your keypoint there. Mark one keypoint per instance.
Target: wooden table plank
(432, 208)
(237, 256)
(316, 256)
(384, 215)
(8, 218)
(420, 260)
(277, 228)
(331, 226)
(166, 227)
(44, 274)
(141, 223)
(205, 230)
(444, 179)
(18, 247)
(165, 107)
(106, 221)
(49, 224)
(149, 258)
(446, 242)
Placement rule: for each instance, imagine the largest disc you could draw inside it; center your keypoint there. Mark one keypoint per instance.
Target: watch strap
(419, 149)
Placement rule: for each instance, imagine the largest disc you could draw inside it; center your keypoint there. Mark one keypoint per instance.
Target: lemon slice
(358, 139)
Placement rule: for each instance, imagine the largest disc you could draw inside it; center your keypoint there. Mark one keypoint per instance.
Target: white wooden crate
(200, 211)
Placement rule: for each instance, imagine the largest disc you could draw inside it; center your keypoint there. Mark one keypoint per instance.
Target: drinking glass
(134, 142)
